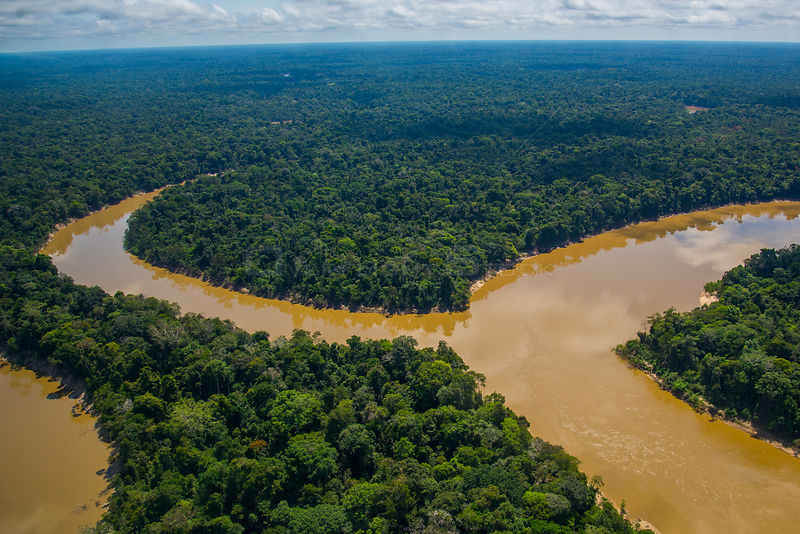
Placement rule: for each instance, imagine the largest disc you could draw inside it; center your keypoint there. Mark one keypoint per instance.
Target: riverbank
(537, 337)
(639, 522)
(492, 272)
(68, 386)
(705, 298)
(56, 456)
(717, 414)
(155, 192)
(72, 220)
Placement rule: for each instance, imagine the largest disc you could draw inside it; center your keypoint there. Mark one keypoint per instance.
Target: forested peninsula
(221, 431)
(216, 430)
(374, 175)
(740, 353)
(394, 181)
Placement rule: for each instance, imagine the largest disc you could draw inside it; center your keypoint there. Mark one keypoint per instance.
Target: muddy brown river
(51, 461)
(542, 334)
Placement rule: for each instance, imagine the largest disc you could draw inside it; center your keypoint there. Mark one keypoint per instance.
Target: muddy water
(542, 334)
(51, 462)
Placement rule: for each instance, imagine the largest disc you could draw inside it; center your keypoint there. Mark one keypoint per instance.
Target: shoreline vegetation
(220, 429)
(73, 388)
(475, 285)
(735, 357)
(717, 414)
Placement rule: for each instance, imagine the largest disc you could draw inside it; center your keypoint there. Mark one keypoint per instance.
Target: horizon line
(396, 42)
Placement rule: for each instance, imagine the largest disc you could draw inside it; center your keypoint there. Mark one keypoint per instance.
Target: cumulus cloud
(270, 16)
(520, 14)
(31, 19)
(294, 15)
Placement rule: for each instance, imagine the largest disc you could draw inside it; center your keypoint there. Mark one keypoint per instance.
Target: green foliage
(408, 173)
(221, 431)
(742, 353)
(395, 176)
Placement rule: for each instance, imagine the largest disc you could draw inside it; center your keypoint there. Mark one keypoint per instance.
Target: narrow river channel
(542, 334)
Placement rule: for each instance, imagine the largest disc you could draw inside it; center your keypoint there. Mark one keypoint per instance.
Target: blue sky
(78, 24)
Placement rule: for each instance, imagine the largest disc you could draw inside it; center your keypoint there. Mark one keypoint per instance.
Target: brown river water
(542, 334)
(51, 461)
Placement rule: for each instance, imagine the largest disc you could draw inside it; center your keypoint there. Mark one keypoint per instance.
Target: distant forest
(216, 430)
(390, 176)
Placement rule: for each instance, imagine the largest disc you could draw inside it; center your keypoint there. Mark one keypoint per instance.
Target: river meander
(542, 334)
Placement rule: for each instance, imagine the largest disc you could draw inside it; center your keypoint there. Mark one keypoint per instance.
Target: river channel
(51, 461)
(542, 334)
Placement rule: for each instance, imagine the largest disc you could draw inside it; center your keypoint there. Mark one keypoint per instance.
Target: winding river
(542, 334)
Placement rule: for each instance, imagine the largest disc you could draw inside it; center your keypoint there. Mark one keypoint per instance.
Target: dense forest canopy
(390, 175)
(221, 431)
(741, 353)
(385, 175)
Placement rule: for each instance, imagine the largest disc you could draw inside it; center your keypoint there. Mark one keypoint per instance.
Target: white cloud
(712, 17)
(270, 16)
(499, 14)
(404, 12)
(52, 18)
(220, 10)
(22, 20)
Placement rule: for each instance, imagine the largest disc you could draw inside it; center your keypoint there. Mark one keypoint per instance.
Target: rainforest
(739, 353)
(390, 178)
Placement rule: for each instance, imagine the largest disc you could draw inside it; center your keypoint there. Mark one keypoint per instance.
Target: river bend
(542, 334)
